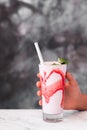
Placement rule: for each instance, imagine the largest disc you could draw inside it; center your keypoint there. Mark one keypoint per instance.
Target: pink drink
(52, 85)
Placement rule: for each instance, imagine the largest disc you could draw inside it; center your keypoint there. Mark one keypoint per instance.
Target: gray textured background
(60, 27)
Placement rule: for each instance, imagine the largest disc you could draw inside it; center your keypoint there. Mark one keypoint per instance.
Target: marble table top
(31, 119)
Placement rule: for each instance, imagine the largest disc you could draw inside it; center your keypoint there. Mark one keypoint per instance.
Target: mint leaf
(62, 61)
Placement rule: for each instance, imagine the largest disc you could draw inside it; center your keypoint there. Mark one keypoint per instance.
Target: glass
(52, 77)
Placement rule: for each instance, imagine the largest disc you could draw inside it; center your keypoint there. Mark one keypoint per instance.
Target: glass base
(53, 117)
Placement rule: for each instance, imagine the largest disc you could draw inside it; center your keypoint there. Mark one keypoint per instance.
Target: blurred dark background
(60, 27)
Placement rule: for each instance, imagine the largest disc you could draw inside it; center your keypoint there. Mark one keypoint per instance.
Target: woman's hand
(72, 93)
(39, 93)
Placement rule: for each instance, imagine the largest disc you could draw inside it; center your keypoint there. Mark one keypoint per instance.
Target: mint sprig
(62, 61)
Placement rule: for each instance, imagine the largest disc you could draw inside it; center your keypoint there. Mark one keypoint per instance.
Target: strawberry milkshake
(52, 77)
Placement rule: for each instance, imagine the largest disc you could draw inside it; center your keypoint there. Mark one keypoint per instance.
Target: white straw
(39, 52)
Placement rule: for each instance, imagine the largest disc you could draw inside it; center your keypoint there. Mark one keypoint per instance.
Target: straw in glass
(39, 52)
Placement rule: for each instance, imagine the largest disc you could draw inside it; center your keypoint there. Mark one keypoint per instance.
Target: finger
(71, 79)
(38, 75)
(67, 84)
(69, 76)
(38, 84)
(39, 93)
(40, 102)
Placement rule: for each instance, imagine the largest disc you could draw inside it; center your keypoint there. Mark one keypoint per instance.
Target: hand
(39, 93)
(72, 92)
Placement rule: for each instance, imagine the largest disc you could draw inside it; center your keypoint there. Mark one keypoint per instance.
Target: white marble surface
(32, 120)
